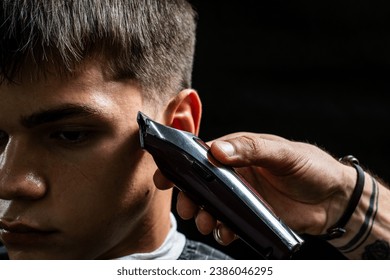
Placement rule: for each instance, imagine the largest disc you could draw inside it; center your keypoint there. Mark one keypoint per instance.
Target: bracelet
(338, 229)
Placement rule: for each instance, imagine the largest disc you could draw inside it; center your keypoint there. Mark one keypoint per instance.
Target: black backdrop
(314, 71)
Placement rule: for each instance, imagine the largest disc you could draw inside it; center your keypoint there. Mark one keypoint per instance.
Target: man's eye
(71, 136)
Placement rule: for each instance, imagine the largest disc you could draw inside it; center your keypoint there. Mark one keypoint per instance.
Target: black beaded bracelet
(338, 229)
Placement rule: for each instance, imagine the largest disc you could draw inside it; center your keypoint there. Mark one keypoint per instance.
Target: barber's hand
(306, 187)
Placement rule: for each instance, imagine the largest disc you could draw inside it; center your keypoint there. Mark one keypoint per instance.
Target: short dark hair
(150, 41)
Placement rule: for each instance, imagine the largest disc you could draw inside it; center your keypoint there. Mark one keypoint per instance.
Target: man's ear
(184, 111)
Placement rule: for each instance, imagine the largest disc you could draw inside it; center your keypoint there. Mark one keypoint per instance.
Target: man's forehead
(89, 77)
(39, 103)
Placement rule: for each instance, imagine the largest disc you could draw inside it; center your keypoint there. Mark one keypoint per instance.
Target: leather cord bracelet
(338, 229)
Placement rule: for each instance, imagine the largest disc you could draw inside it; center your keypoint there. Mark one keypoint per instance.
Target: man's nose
(19, 178)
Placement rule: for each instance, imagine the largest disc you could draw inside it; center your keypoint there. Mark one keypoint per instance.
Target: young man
(74, 182)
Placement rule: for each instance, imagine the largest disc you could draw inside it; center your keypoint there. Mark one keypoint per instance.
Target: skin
(79, 179)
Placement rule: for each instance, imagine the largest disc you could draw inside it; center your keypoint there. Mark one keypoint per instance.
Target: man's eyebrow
(59, 113)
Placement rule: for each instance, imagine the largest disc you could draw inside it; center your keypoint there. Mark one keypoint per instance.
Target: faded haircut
(149, 41)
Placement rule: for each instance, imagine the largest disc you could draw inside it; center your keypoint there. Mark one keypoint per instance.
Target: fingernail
(226, 147)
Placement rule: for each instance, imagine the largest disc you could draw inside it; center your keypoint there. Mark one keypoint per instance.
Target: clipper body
(185, 160)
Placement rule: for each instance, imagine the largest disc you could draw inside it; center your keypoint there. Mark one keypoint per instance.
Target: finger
(185, 207)
(161, 182)
(205, 222)
(223, 235)
(254, 150)
(245, 134)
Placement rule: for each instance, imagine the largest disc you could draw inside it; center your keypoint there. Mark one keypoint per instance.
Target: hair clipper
(185, 160)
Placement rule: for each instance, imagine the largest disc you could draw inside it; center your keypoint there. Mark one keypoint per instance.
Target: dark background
(314, 71)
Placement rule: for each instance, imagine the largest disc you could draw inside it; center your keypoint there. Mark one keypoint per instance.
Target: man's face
(74, 182)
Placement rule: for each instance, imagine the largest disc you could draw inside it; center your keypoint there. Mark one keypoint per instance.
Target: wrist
(340, 199)
(338, 228)
(367, 232)
(357, 219)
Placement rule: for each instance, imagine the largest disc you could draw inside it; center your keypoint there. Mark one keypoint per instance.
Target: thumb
(261, 150)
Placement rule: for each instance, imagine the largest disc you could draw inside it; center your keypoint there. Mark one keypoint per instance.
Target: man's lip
(20, 235)
(20, 227)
